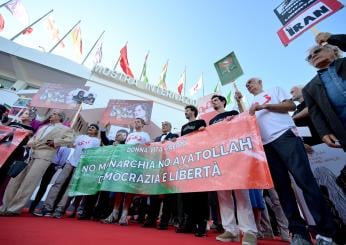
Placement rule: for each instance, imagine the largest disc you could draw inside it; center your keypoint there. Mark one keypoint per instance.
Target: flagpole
(64, 37)
(202, 84)
(185, 82)
(241, 104)
(144, 64)
(92, 48)
(2, 5)
(75, 118)
(32, 24)
(116, 63)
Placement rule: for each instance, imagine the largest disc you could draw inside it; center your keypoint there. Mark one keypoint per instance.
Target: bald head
(297, 94)
(254, 85)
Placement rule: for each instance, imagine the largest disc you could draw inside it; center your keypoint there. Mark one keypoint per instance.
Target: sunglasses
(314, 52)
(92, 127)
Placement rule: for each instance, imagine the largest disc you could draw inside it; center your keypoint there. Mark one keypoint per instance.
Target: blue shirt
(336, 90)
(61, 156)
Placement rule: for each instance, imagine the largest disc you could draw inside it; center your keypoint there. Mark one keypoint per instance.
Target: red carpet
(29, 230)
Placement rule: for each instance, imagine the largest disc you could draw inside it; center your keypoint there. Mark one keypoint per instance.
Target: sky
(188, 33)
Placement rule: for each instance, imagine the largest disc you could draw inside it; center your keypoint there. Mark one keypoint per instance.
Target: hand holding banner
(231, 158)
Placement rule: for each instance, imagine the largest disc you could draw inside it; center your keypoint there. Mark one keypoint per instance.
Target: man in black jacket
(166, 133)
(325, 94)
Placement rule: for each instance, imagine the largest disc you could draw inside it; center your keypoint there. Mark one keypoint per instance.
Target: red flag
(27, 30)
(2, 23)
(181, 82)
(124, 63)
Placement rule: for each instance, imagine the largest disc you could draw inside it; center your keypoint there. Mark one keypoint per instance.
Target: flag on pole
(18, 10)
(162, 82)
(181, 82)
(124, 62)
(144, 72)
(53, 29)
(98, 55)
(76, 35)
(197, 86)
(229, 98)
(217, 87)
(2, 23)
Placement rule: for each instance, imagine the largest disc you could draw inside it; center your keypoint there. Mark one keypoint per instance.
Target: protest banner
(61, 96)
(299, 16)
(10, 138)
(225, 156)
(228, 69)
(123, 112)
(326, 165)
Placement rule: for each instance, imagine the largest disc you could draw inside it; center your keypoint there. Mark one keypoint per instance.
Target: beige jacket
(61, 135)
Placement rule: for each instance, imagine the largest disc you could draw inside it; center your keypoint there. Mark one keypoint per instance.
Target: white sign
(118, 77)
(307, 18)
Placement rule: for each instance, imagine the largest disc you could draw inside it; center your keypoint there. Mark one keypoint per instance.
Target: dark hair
(94, 125)
(221, 98)
(123, 131)
(192, 108)
(141, 119)
(62, 116)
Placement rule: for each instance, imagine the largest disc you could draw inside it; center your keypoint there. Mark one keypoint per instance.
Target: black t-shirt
(192, 126)
(306, 122)
(220, 117)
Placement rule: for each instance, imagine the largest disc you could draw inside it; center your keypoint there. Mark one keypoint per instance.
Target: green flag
(229, 98)
(162, 82)
(145, 78)
(228, 69)
(217, 87)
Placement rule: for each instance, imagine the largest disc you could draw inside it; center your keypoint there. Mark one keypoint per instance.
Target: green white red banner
(225, 156)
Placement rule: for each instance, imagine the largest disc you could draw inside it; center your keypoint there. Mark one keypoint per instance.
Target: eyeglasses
(92, 127)
(314, 52)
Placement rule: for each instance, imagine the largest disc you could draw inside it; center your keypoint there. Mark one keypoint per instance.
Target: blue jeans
(286, 155)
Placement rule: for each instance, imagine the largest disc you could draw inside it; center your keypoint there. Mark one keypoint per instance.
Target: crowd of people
(239, 215)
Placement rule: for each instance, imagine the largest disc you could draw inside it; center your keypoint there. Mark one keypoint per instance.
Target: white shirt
(47, 129)
(272, 124)
(138, 138)
(82, 142)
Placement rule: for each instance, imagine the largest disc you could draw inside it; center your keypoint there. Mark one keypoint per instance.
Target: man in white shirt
(138, 136)
(286, 154)
(82, 142)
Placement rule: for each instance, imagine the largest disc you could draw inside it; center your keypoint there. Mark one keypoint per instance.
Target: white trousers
(246, 219)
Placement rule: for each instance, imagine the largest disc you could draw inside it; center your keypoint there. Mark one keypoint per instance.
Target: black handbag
(16, 168)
